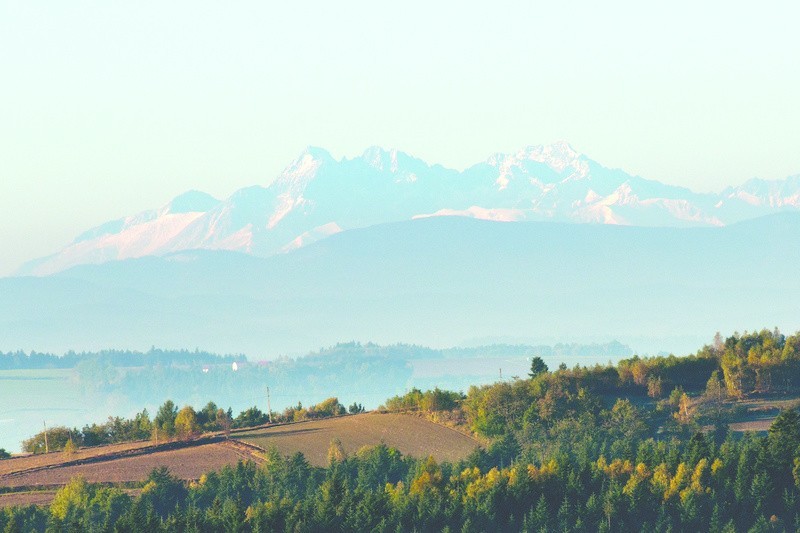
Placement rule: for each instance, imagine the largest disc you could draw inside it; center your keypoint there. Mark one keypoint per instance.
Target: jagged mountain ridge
(317, 196)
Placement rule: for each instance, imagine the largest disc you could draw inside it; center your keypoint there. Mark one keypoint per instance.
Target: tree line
(114, 358)
(170, 422)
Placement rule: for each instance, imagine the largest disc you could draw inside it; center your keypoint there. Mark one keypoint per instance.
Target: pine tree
(540, 516)
(538, 367)
(714, 524)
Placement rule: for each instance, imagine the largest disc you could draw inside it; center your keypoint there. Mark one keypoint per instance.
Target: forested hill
(120, 383)
(644, 445)
(596, 351)
(402, 352)
(115, 358)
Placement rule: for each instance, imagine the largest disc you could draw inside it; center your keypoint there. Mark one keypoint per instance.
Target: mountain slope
(317, 196)
(437, 281)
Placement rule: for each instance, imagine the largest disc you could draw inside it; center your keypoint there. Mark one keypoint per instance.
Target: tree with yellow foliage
(186, 425)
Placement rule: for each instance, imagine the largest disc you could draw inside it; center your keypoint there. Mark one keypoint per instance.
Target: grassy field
(412, 435)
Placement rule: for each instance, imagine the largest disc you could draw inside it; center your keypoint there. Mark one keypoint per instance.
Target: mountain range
(541, 246)
(317, 196)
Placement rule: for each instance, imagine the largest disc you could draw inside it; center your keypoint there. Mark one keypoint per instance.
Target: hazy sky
(108, 108)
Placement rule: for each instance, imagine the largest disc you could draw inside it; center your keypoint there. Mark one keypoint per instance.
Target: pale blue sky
(108, 108)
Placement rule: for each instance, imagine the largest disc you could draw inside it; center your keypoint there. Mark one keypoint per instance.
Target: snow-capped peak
(567, 163)
(190, 202)
(557, 156)
(304, 167)
(381, 158)
(393, 161)
(560, 156)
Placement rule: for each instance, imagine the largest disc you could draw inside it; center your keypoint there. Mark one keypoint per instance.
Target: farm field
(761, 425)
(127, 465)
(17, 464)
(33, 497)
(40, 497)
(412, 435)
(34, 479)
(757, 414)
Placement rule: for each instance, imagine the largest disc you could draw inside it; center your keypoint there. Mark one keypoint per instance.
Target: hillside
(33, 478)
(651, 443)
(125, 465)
(71, 389)
(439, 282)
(411, 435)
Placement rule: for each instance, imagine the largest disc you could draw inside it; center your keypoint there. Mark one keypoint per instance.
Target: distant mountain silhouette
(436, 281)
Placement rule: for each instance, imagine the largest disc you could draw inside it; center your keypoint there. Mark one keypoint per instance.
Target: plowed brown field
(412, 435)
(187, 461)
(16, 464)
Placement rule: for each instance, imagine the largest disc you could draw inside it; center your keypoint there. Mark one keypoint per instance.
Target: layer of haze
(109, 108)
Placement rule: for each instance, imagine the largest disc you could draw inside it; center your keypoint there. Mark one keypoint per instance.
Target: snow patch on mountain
(311, 236)
(302, 170)
(767, 193)
(285, 204)
(482, 213)
(241, 240)
(139, 237)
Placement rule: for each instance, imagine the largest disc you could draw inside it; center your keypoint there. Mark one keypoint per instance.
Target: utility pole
(46, 447)
(269, 407)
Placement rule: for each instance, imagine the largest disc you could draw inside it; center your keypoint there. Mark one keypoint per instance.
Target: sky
(110, 108)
